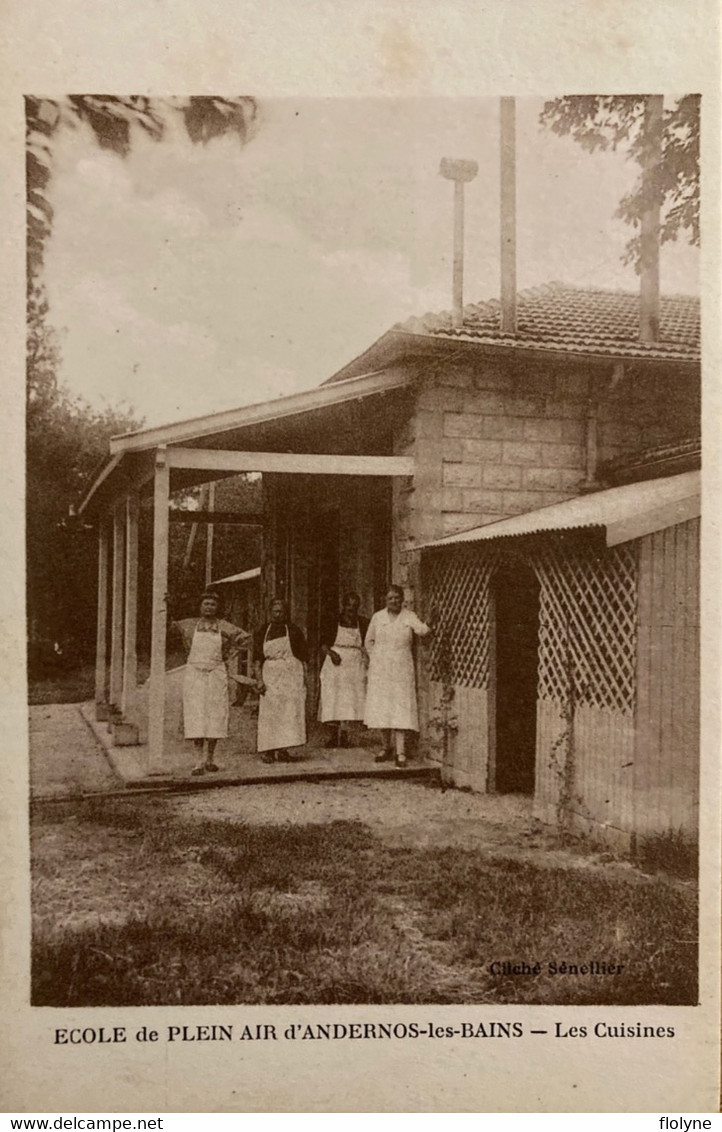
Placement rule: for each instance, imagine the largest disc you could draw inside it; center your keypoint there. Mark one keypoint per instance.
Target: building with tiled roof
(561, 317)
(539, 488)
(553, 320)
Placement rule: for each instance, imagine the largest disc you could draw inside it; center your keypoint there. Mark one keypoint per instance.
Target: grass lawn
(77, 685)
(134, 904)
(74, 687)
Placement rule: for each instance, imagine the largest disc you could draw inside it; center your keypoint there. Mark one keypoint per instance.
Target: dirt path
(411, 814)
(65, 758)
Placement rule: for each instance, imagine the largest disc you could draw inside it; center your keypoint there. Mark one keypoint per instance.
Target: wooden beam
(209, 534)
(126, 475)
(156, 698)
(225, 518)
(116, 623)
(101, 633)
(293, 463)
(108, 470)
(130, 651)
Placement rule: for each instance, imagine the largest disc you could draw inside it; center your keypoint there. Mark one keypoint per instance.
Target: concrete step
(302, 771)
(244, 768)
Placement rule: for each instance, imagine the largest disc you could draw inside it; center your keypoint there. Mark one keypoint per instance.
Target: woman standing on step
(280, 656)
(391, 689)
(210, 643)
(343, 672)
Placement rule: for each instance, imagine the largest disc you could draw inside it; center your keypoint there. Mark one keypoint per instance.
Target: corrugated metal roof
(245, 576)
(577, 320)
(625, 512)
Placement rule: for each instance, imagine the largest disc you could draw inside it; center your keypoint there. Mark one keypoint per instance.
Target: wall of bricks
(492, 441)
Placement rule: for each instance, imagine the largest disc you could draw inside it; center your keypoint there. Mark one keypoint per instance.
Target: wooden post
(194, 530)
(130, 652)
(650, 220)
(269, 542)
(156, 705)
(209, 535)
(591, 445)
(508, 214)
(101, 636)
(116, 624)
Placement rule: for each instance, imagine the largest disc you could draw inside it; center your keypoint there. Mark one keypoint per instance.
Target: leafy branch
(610, 122)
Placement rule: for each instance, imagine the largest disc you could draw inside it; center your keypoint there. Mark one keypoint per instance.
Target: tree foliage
(610, 122)
(235, 547)
(67, 439)
(112, 121)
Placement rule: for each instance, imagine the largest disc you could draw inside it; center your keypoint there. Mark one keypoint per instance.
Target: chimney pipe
(458, 171)
(507, 132)
(650, 221)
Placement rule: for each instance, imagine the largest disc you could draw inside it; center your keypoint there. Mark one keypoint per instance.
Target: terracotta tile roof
(575, 320)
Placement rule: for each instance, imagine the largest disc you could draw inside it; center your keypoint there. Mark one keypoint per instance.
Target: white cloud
(189, 278)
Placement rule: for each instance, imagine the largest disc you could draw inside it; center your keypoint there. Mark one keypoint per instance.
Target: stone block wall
(491, 441)
(408, 501)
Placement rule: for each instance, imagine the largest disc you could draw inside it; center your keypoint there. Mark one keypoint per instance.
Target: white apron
(282, 708)
(343, 686)
(205, 688)
(391, 687)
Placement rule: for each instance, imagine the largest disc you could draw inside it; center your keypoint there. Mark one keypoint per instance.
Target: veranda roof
(294, 423)
(556, 320)
(623, 513)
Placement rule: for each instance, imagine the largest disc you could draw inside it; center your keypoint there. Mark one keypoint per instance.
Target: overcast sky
(185, 279)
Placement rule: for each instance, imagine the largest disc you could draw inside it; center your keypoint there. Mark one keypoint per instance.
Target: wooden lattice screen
(587, 625)
(457, 584)
(587, 619)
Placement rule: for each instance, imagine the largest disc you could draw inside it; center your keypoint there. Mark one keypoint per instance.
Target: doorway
(516, 607)
(327, 537)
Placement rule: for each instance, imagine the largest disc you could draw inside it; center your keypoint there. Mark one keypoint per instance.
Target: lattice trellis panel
(458, 585)
(588, 625)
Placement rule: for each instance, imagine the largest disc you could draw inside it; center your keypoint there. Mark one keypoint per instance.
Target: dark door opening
(327, 537)
(516, 603)
(381, 542)
(322, 578)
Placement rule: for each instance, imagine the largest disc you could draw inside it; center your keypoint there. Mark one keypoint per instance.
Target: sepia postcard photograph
(383, 686)
(363, 446)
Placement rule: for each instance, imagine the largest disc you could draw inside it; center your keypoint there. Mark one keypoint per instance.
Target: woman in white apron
(391, 689)
(280, 658)
(210, 643)
(343, 672)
